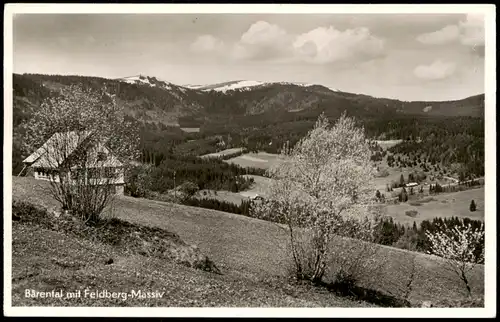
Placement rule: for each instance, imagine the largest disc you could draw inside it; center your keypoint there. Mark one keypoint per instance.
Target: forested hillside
(266, 117)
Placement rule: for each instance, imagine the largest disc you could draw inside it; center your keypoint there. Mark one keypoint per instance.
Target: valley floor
(444, 205)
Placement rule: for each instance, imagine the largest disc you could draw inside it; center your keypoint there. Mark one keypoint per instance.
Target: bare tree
(321, 188)
(80, 142)
(458, 248)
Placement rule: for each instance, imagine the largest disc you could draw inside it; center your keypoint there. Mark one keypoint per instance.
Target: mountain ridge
(150, 99)
(279, 112)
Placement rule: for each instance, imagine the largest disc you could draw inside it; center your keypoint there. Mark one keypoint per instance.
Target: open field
(455, 204)
(443, 205)
(394, 175)
(261, 160)
(387, 144)
(191, 129)
(222, 153)
(253, 249)
(221, 195)
(259, 187)
(380, 183)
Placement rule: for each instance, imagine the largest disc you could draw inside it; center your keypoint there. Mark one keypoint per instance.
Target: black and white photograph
(249, 160)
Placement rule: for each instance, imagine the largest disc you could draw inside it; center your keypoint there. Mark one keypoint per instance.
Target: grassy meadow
(222, 153)
(261, 160)
(455, 204)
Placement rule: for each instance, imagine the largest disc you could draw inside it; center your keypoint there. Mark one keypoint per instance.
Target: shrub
(188, 188)
(345, 283)
(28, 212)
(138, 180)
(411, 213)
(338, 156)
(407, 241)
(354, 261)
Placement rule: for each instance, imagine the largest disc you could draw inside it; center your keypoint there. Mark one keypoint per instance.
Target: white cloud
(270, 42)
(473, 30)
(446, 35)
(207, 43)
(328, 45)
(263, 33)
(437, 70)
(469, 32)
(262, 41)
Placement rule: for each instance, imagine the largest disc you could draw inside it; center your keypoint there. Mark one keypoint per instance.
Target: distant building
(411, 184)
(103, 168)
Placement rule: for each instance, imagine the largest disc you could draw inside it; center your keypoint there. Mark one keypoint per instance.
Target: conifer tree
(472, 206)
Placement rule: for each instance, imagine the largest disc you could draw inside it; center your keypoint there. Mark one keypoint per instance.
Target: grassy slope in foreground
(254, 249)
(46, 260)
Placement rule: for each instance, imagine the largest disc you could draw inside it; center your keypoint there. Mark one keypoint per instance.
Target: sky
(405, 56)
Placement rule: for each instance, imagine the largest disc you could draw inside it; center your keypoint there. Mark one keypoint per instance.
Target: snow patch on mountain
(246, 85)
(242, 85)
(135, 79)
(296, 84)
(146, 80)
(191, 86)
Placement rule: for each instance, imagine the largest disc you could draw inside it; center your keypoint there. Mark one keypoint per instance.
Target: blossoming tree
(321, 187)
(458, 248)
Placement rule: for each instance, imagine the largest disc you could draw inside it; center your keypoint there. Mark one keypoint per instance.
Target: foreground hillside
(253, 250)
(45, 260)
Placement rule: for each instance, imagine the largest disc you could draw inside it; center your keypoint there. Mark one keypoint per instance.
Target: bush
(138, 180)
(345, 283)
(354, 261)
(27, 212)
(408, 241)
(188, 188)
(411, 213)
(356, 272)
